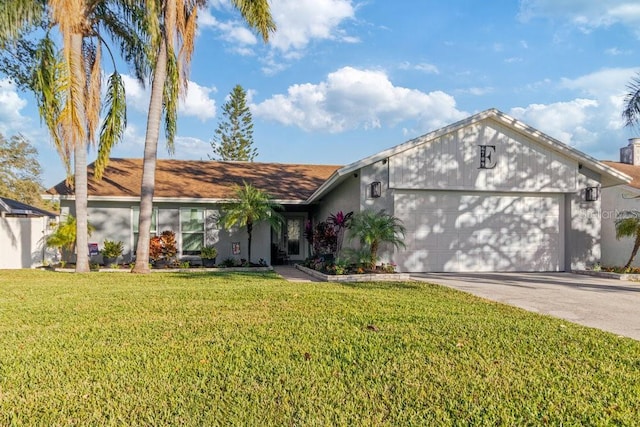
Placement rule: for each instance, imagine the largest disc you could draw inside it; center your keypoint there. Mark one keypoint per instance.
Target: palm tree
(631, 111)
(67, 85)
(250, 207)
(628, 225)
(172, 25)
(374, 228)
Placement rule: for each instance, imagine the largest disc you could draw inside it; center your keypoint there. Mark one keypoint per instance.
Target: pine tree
(233, 139)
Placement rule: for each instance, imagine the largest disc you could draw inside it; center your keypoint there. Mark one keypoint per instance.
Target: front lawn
(251, 349)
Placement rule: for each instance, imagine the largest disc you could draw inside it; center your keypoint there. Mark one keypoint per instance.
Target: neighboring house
(23, 230)
(617, 199)
(488, 193)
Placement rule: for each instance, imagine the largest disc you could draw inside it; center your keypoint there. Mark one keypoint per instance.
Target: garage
(451, 231)
(488, 193)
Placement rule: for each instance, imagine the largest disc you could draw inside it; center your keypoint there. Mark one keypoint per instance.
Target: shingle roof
(631, 170)
(16, 208)
(205, 179)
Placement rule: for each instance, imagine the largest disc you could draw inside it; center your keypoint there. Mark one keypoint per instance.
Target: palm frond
(631, 111)
(171, 96)
(257, 14)
(627, 224)
(114, 123)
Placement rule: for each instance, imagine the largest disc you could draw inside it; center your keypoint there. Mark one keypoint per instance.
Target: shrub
(112, 249)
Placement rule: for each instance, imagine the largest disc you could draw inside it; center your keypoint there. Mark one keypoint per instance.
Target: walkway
(292, 274)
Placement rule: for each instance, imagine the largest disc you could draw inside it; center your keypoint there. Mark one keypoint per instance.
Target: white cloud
(351, 98)
(614, 51)
(298, 22)
(423, 66)
(11, 119)
(592, 120)
(565, 121)
(586, 15)
(197, 103)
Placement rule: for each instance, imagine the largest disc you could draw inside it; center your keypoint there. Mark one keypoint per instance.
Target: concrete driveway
(610, 305)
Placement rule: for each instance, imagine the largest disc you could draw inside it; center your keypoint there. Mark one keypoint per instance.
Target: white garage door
(457, 232)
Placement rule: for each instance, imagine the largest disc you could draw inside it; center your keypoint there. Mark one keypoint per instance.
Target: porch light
(592, 194)
(376, 189)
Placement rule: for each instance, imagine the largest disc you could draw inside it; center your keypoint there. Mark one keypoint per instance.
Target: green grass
(244, 349)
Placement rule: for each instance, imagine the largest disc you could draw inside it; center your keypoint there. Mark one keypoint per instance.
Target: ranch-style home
(488, 193)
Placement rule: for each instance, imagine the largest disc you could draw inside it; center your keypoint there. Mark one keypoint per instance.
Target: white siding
(452, 162)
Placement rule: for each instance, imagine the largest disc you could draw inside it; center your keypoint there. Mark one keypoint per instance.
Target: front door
(292, 237)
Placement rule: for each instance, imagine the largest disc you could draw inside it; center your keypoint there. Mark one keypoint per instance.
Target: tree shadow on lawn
(232, 275)
(381, 285)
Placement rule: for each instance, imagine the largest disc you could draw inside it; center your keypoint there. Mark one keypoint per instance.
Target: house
(187, 201)
(488, 193)
(23, 230)
(617, 199)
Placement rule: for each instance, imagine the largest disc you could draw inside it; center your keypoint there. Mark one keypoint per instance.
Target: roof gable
(610, 175)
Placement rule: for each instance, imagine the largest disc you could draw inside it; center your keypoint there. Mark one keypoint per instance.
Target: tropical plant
(208, 252)
(233, 139)
(172, 25)
(64, 236)
(163, 247)
(325, 239)
(111, 249)
(67, 84)
(374, 228)
(250, 207)
(628, 225)
(340, 222)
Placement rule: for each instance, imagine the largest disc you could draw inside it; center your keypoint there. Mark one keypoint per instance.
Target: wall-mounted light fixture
(591, 194)
(376, 189)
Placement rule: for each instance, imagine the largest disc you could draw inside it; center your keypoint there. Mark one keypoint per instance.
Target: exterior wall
(452, 162)
(378, 171)
(582, 224)
(345, 197)
(615, 200)
(113, 221)
(22, 241)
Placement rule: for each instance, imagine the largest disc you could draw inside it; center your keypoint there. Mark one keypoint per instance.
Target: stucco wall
(22, 242)
(615, 200)
(113, 221)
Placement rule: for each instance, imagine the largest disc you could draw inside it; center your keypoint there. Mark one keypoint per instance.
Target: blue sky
(343, 79)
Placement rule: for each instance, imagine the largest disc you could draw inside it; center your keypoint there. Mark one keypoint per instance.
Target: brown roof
(631, 170)
(206, 179)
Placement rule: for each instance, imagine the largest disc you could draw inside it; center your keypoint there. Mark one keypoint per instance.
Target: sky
(344, 79)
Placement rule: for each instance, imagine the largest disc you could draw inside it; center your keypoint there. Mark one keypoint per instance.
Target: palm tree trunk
(634, 252)
(149, 163)
(80, 169)
(374, 255)
(249, 231)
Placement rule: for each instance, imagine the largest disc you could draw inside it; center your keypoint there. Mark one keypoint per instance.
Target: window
(192, 230)
(135, 219)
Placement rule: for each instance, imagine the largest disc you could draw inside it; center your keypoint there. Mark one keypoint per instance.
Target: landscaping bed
(634, 277)
(359, 277)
